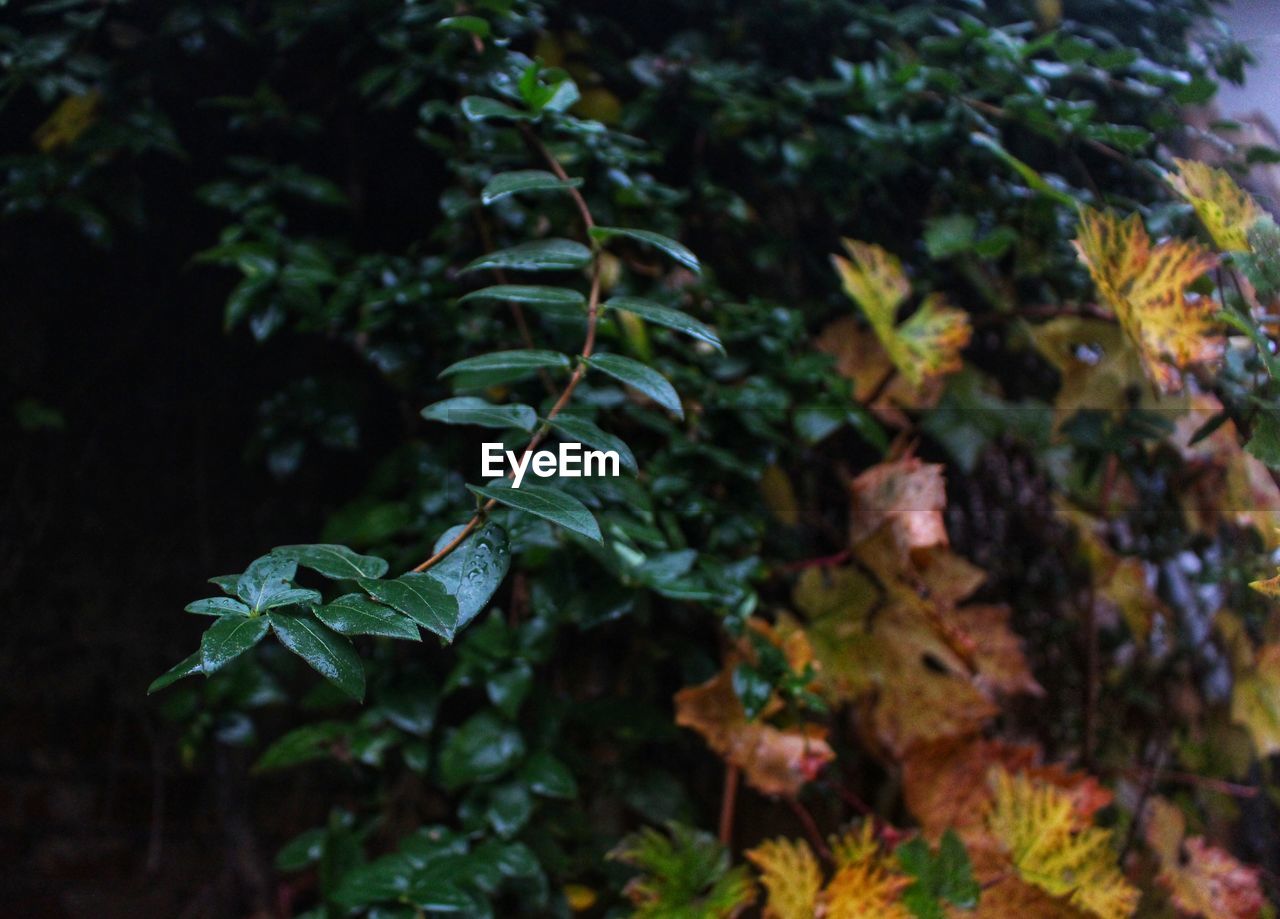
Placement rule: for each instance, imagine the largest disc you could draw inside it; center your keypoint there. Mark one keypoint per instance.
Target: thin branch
(580, 371)
(728, 802)
(811, 829)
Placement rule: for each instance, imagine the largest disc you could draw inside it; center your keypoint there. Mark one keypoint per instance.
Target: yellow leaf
(1146, 289)
(866, 883)
(1202, 880)
(1255, 700)
(1038, 825)
(579, 897)
(779, 497)
(1097, 365)
(73, 116)
(928, 344)
(865, 889)
(791, 876)
(1227, 211)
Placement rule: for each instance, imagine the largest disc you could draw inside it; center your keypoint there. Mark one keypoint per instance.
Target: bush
(938, 529)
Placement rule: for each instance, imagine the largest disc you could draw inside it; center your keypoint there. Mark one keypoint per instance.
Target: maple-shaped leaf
(791, 876)
(1227, 211)
(1202, 880)
(928, 344)
(684, 872)
(1098, 367)
(866, 881)
(908, 496)
(774, 760)
(1146, 288)
(861, 359)
(945, 783)
(1039, 828)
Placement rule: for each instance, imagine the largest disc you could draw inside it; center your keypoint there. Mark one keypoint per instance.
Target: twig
(728, 802)
(588, 346)
(811, 829)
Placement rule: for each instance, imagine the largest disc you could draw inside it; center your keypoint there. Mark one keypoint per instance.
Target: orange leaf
(775, 761)
(906, 495)
(1202, 880)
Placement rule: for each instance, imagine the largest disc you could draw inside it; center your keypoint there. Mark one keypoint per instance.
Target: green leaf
(483, 749)
(663, 243)
(328, 653)
(301, 745)
(472, 24)
(526, 360)
(947, 876)
(295, 596)
(356, 614)
(266, 578)
(547, 503)
(511, 183)
(302, 851)
(554, 301)
(507, 689)
(639, 377)
(539, 255)
(183, 668)
(474, 570)
(950, 235)
(668, 317)
(333, 561)
(217, 606)
(421, 597)
(227, 582)
(547, 776)
(510, 807)
(227, 639)
(473, 410)
(1265, 442)
(482, 108)
(587, 432)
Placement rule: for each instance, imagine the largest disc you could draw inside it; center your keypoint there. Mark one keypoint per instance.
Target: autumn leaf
(1227, 211)
(775, 761)
(928, 344)
(908, 496)
(1230, 483)
(863, 361)
(1097, 366)
(945, 783)
(1121, 585)
(865, 883)
(790, 874)
(1146, 289)
(73, 116)
(1255, 699)
(1037, 825)
(1202, 880)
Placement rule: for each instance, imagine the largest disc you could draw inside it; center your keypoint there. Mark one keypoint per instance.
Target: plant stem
(727, 803)
(580, 371)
